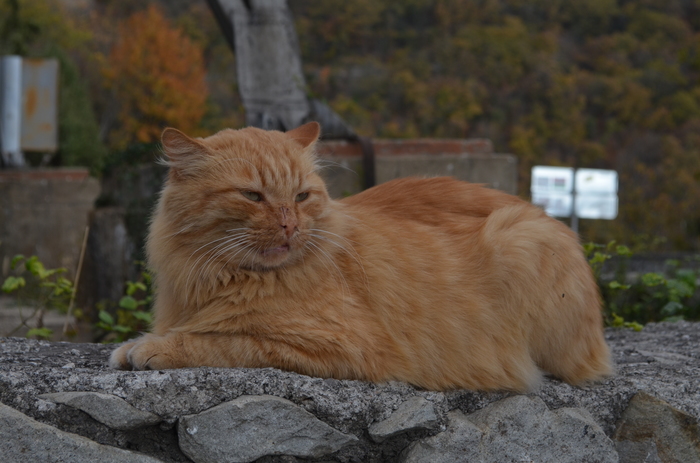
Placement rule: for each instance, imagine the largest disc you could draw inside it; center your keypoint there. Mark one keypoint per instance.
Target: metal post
(574, 217)
(11, 110)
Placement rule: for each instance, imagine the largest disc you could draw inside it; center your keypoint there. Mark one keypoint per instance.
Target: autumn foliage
(611, 84)
(158, 77)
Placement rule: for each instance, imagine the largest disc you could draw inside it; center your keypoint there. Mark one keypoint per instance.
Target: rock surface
(659, 431)
(23, 439)
(415, 414)
(516, 429)
(251, 427)
(105, 408)
(663, 360)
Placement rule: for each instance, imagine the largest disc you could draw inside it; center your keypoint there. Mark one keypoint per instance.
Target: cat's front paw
(147, 353)
(153, 353)
(119, 358)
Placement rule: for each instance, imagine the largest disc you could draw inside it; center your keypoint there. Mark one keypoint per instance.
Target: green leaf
(122, 329)
(41, 333)
(106, 317)
(634, 325)
(599, 258)
(617, 321)
(13, 284)
(671, 308)
(624, 251)
(677, 318)
(35, 267)
(128, 303)
(132, 287)
(653, 279)
(143, 316)
(15, 260)
(615, 285)
(687, 276)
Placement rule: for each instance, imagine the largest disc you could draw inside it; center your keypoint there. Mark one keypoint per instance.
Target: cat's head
(244, 198)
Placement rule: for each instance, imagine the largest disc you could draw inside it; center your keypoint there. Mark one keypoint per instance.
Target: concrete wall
(44, 213)
(469, 160)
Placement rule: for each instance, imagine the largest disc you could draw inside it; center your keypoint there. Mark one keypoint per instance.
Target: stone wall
(59, 402)
(44, 212)
(472, 160)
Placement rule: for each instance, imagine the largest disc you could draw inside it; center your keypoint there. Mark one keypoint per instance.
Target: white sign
(596, 181)
(552, 179)
(595, 192)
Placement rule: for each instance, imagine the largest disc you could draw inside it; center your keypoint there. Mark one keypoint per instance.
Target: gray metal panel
(39, 105)
(10, 110)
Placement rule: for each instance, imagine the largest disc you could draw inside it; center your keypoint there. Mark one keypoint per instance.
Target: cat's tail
(546, 276)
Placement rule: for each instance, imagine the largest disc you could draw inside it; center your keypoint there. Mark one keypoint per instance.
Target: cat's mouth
(276, 251)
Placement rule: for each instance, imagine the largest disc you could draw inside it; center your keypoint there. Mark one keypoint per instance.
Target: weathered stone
(24, 440)
(458, 443)
(649, 421)
(517, 429)
(30, 368)
(108, 409)
(637, 452)
(414, 414)
(251, 427)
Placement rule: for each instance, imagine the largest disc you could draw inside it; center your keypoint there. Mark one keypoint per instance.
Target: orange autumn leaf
(158, 77)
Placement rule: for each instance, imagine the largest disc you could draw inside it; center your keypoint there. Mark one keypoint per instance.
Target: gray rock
(637, 452)
(460, 443)
(414, 414)
(663, 359)
(251, 427)
(108, 409)
(24, 440)
(517, 429)
(648, 422)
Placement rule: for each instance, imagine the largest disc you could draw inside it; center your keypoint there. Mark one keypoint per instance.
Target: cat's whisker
(225, 264)
(194, 264)
(252, 249)
(217, 251)
(226, 248)
(324, 163)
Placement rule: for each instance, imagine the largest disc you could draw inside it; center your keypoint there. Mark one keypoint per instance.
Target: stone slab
(414, 414)
(105, 408)
(517, 429)
(24, 440)
(252, 427)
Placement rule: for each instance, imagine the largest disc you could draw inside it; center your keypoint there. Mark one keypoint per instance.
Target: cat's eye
(302, 196)
(252, 195)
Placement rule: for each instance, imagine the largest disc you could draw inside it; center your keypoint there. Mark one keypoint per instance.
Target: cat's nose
(288, 221)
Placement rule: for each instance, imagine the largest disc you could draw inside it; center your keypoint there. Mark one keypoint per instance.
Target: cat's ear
(306, 134)
(185, 155)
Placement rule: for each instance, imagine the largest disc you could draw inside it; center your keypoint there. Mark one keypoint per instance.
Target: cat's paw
(151, 353)
(119, 358)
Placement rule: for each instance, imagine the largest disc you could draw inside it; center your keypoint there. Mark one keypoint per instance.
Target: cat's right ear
(185, 155)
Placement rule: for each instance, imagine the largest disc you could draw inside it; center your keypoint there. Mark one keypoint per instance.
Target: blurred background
(605, 84)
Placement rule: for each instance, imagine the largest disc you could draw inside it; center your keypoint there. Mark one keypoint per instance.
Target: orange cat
(436, 282)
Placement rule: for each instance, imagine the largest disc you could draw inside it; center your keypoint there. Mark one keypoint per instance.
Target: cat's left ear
(305, 134)
(185, 154)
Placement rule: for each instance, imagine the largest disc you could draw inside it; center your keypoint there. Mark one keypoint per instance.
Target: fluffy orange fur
(437, 282)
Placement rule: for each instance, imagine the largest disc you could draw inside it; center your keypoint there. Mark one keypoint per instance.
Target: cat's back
(431, 200)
